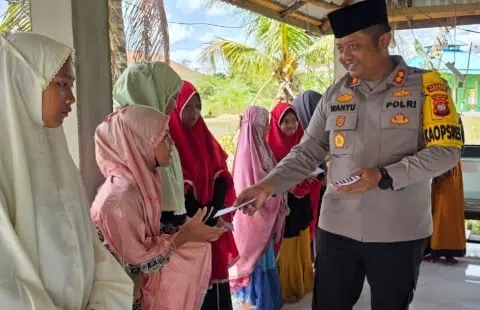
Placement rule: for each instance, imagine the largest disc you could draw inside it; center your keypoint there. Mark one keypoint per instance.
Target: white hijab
(50, 257)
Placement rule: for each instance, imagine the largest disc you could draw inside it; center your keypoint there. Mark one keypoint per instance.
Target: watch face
(381, 184)
(385, 183)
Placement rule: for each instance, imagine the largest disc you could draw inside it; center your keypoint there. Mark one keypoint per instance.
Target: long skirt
(448, 237)
(263, 290)
(295, 266)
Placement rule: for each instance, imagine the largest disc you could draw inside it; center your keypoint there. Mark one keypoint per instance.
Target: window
(471, 126)
(472, 98)
(469, 108)
(468, 104)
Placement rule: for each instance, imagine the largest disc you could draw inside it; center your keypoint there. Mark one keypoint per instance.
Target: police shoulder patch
(440, 120)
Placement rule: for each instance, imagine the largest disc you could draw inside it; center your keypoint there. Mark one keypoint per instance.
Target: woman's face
(163, 151)
(289, 124)
(58, 98)
(191, 111)
(172, 104)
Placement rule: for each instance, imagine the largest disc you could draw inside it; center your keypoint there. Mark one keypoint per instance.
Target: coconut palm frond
(17, 17)
(278, 37)
(320, 52)
(239, 57)
(147, 30)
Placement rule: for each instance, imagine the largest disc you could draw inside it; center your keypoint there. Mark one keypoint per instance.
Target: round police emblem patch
(339, 140)
(440, 105)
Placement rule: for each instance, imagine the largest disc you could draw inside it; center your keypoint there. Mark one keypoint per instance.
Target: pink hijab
(252, 162)
(131, 157)
(127, 212)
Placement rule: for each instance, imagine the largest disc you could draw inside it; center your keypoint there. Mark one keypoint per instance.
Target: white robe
(50, 255)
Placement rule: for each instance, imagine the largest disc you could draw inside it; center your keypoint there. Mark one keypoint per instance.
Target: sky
(188, 39)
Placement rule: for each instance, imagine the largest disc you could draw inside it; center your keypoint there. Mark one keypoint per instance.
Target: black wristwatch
(386, 181)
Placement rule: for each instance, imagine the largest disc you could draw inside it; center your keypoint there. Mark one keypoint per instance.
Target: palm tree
(118, 43)
(17, 16)
(278, 50)
(138, 25)
(145, 33)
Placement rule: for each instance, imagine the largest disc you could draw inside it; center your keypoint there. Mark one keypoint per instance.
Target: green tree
(17, 16)
(232, 94)
(278, 53)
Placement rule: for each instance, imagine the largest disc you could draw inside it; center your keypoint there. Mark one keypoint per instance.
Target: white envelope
(233, 208)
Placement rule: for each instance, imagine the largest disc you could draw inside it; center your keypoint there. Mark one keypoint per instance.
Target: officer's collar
(397, 77)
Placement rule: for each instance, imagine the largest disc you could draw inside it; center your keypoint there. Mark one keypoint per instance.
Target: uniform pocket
(400, 131)
(342, 127)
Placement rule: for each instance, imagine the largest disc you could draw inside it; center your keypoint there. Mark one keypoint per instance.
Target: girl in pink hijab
(254, 277)
(171, 269)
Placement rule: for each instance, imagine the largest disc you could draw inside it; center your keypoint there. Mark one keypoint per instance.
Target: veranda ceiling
(311, 14)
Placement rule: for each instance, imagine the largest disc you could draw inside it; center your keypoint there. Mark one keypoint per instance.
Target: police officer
(396, 128)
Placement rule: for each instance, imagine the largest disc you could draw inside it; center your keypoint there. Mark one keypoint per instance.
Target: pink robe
(253, 160)
(184, 278)
(127, 213)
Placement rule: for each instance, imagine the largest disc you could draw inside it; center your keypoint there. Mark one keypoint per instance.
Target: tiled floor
(440, 287)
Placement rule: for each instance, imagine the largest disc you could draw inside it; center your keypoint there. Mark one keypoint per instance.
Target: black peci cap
(358, 16)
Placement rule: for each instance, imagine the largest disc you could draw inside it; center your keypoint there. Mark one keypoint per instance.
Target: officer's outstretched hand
(369, 178)
(260, 192)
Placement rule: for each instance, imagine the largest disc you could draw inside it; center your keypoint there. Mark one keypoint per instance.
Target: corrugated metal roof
(314, 11)
(311, 14)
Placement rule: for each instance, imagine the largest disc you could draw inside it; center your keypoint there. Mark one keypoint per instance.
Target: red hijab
(203, 161)
(278, 141)
(281, 146)
(202, 157)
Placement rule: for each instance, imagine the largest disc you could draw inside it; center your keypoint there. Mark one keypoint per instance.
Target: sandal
(450, 260)
(292, 300)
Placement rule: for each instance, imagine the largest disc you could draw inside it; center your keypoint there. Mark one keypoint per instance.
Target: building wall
(82, 24)
(61, 30)
(461, 94)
